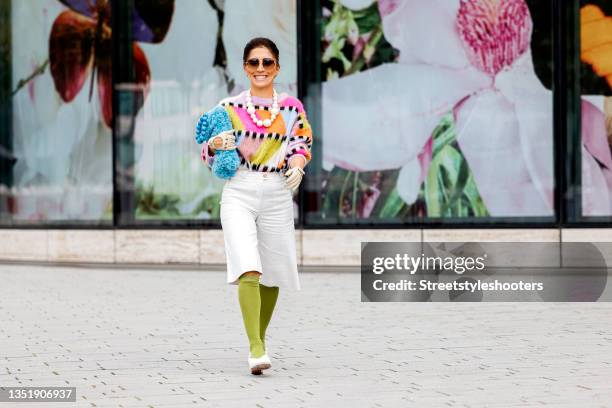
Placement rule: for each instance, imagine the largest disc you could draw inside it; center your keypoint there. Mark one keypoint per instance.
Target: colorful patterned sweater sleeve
(267, 149)
(300, 142)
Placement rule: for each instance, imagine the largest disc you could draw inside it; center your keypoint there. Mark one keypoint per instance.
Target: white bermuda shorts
(258, 228)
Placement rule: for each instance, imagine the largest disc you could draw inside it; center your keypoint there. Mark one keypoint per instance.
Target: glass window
(596, 106)
(435, 112)
(56, 112)
(195, 64)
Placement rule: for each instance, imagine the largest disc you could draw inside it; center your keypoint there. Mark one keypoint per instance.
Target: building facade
(432, 120)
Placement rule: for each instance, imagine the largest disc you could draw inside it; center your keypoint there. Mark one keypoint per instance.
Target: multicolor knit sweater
(267, 149)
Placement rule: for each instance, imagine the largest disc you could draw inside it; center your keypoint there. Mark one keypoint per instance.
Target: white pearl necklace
(273, 112)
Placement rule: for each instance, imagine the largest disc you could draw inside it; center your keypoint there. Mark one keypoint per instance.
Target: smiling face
(261, 76)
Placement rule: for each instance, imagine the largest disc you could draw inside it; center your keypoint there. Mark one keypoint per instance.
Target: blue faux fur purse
(211, 124)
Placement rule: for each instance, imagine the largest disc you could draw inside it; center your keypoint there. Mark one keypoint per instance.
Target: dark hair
(261, 42)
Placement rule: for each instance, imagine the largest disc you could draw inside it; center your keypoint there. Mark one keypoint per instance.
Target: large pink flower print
(469, 57)
(80, 46)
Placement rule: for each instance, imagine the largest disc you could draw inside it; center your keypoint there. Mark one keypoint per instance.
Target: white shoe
(259, 363)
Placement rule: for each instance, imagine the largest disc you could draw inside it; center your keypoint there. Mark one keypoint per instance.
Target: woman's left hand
(294, 177)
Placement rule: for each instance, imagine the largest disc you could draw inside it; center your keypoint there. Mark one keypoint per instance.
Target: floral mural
(80, 44)
(62, 103)
(436, 109)
(596, 86)
(171, 181)
(433, 109)
(456, 117)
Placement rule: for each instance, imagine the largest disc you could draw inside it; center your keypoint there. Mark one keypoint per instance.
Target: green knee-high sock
(268, 294)
(250, 305)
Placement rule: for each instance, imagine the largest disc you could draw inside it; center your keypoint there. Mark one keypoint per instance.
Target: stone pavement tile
(163, 337)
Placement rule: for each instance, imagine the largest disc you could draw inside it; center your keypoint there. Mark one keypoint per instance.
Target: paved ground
(173, 338)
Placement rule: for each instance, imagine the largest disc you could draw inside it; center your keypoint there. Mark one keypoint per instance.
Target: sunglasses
(266, 62)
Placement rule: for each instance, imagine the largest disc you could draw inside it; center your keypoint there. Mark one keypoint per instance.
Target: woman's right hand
(223, 141)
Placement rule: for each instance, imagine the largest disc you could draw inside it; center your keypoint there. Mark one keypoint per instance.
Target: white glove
(294, 177)
(227, 138)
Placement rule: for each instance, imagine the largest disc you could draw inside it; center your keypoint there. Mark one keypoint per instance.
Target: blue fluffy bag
(211, 124)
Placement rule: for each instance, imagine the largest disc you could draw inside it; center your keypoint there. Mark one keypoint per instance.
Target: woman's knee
(250, 273)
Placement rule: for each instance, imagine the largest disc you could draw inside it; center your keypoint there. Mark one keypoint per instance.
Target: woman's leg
(250, 305)
(268, 295)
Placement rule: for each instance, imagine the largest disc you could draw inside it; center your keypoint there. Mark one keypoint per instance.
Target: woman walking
(273, 139)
